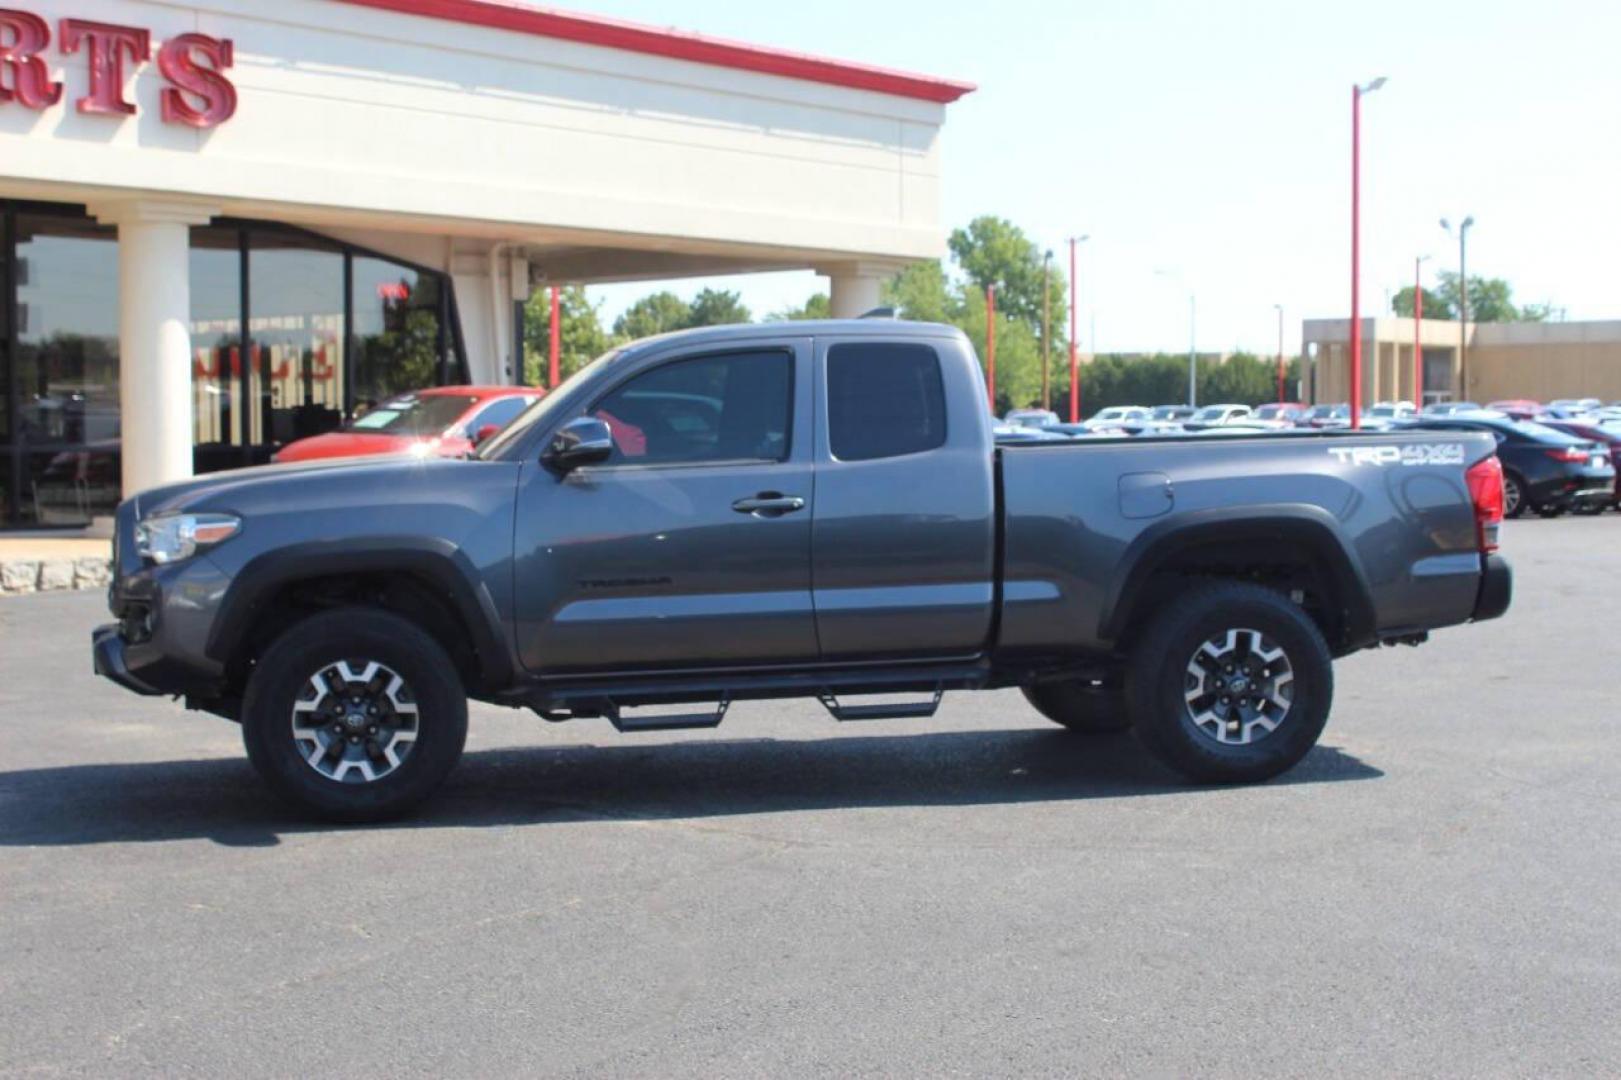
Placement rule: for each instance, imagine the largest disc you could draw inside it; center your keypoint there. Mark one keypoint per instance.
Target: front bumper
(164, 614)
(1496, 589)
(107, 648)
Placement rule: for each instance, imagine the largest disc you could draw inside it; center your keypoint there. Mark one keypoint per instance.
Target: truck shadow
(222, 800)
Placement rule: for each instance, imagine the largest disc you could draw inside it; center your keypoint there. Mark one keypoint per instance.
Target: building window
(291, 332)
(64, 370)
(295, 334)
(217, 373)
(399, 331)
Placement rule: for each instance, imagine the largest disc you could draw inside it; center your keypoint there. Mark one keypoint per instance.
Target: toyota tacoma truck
(812, 509)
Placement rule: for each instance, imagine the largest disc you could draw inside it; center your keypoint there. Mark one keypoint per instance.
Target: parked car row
(1556, 458)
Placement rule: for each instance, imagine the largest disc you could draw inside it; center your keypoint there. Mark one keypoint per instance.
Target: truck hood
(216, 490)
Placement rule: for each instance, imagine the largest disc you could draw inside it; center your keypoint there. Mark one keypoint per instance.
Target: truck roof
(875, 327)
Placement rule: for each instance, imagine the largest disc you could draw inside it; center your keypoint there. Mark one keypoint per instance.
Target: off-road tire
(345, 635)
(1158, 682)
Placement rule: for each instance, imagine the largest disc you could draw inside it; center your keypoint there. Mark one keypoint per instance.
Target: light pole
(990, 347)
(1280, 352)
(1357, 90)
(1418, 330)
(1074, 354)
(1193, 337)
(1046, 329)
(1463, 302)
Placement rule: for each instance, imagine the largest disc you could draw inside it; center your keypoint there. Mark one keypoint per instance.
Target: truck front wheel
(1080, 706)
(354, 715)
(1230, 683)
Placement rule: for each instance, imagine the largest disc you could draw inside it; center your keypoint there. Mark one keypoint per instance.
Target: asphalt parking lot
(1435, 890)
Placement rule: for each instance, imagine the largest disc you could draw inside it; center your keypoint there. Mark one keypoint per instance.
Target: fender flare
(438, 562)
(1313, 528)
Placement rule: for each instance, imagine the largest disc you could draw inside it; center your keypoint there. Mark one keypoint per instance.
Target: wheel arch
(430, 581)
(1306, 537)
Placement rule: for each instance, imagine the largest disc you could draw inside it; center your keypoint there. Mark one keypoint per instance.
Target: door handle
(769, 504)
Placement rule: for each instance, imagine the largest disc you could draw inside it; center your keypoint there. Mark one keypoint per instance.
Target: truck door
(904, 530)
(690, 546)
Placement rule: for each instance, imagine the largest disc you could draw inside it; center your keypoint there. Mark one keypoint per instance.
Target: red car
(446, 421)
(1604, 436)
(1518, 408)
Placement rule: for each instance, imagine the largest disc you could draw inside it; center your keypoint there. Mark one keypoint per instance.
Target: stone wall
(18, 576)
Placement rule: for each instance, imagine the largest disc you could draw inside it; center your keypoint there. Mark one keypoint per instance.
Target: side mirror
(485, 432)
(584, 440)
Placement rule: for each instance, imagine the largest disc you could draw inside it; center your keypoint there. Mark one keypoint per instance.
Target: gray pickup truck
(809, 509)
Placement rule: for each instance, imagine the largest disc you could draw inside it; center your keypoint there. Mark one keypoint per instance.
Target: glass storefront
(292, 334)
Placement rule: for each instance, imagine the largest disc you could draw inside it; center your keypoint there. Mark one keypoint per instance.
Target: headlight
(168, 538)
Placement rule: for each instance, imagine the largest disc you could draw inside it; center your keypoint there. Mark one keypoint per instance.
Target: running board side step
(665, 721)
(904, 710)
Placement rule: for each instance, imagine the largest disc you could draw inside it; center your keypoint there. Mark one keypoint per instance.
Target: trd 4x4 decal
(1431, 454)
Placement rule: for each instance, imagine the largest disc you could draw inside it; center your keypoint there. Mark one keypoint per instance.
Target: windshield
(1273, 412)
(1382, 410)
(1541, 432)
(540, 412)
(1211, 412)
(411, 414)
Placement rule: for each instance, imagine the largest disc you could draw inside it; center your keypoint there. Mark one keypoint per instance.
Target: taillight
(1485, 479)
(1571, 455)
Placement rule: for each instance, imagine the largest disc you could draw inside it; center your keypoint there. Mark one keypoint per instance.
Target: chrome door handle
(769, 504)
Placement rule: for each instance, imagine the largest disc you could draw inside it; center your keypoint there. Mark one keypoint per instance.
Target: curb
(19, 577)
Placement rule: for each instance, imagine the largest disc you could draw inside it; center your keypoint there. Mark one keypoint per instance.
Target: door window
(729, 407)
(884, 400)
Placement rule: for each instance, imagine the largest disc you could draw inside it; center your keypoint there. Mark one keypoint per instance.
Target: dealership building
(1435, 360)
(225, 225)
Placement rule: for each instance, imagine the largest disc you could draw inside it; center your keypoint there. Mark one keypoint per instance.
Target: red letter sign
(30, 79)
(109, 45)
(178, 60)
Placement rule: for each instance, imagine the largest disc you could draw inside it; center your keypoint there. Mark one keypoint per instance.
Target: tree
(581, 339)
(994, 251)
(1490, 300)
(921, 293)
(717, 307)
(656, 313)
(1018, 351)
(1435, 305)
(818, 306)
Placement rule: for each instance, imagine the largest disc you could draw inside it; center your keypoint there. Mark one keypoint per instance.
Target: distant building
(1540, 361)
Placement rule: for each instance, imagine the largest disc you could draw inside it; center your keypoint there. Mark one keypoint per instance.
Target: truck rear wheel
(1080, 707)
(354, 715)
(1231, 683)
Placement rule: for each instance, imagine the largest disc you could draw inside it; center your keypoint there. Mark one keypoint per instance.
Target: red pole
(1418, 333)
(990, 346)
(556, 340)
(1356, 256)
(1074, 355)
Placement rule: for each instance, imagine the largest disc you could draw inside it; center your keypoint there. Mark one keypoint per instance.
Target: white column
(154, 336)
(856, 286)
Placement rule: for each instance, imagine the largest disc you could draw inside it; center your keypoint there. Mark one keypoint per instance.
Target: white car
(1217, 415)
(1386, 414)
(1031, 418)
(1122, 414)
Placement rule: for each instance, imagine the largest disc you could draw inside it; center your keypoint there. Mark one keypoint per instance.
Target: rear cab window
(884, 400)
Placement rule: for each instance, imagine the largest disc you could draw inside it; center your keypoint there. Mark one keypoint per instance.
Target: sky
(1205, 146)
